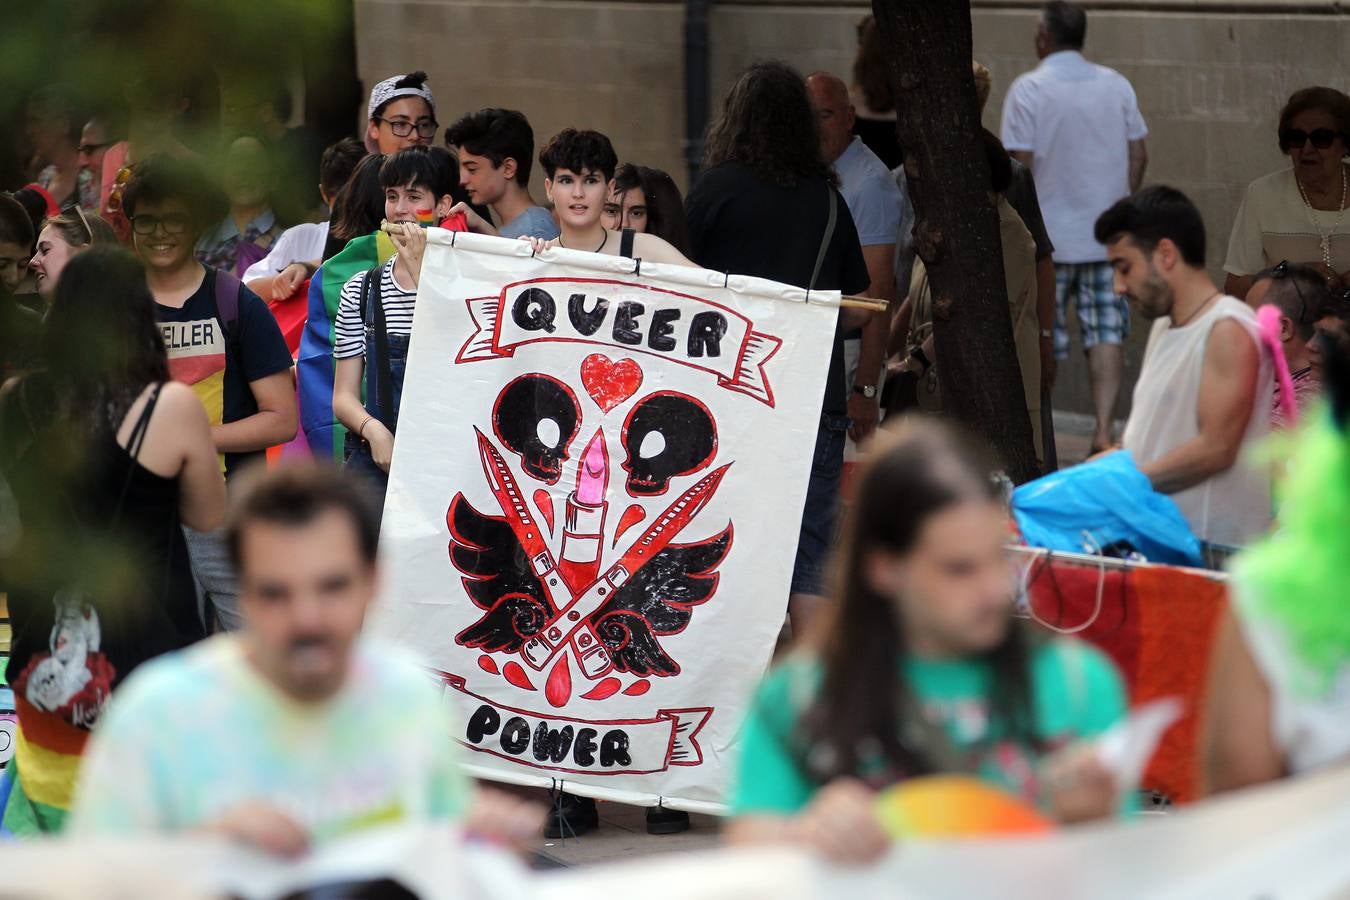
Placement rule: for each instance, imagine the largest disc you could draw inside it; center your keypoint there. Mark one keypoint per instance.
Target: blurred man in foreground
(295, 729)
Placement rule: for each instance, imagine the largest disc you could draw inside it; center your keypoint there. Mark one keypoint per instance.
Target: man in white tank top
(1204, 392)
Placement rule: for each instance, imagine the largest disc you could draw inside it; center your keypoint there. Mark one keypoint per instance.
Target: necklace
(1340, 211)
(603, 241)
(1198, 310)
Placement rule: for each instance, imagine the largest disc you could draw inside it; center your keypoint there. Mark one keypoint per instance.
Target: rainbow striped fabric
(314, 364)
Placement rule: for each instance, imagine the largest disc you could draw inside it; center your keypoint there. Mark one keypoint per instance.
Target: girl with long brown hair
(922, 669)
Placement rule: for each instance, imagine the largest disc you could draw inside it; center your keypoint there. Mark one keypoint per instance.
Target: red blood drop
(631, 516)
(558, 689)
(516, 675)
(638, 688)
(606, 688)
(487, 664)
(544, 501)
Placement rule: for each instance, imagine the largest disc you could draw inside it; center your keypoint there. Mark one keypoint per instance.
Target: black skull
(537, 417)
(666, 434)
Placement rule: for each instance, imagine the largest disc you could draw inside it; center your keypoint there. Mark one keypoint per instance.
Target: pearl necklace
(1312, 217)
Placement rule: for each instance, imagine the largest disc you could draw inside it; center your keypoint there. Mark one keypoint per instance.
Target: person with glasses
(53, 131)
(1300, 293)
(60, 240)
(1299, 213)
(221, 339)
(95, 139)
(401, 113)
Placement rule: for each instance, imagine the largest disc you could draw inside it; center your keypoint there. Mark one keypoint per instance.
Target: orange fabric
(1181, 612)
(1157, 623)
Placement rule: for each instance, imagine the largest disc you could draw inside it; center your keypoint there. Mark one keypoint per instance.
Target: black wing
(498, 578)
(659, 600)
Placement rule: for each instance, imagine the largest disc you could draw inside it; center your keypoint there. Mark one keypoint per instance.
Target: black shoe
(666, 821)
(571, 816)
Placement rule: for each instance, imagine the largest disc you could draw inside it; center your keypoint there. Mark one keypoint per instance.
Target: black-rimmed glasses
(426, 128)
(172, 224)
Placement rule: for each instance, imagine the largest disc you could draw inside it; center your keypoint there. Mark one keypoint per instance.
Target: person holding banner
(375, 313)
(923, 603)
(579, 168)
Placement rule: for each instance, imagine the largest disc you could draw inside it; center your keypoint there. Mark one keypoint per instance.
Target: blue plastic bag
(1105, 503)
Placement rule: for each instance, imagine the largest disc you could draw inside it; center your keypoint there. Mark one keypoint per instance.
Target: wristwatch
(867, 390)
(921, 358)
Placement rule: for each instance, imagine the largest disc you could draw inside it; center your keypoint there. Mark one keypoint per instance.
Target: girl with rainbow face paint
(418, 183)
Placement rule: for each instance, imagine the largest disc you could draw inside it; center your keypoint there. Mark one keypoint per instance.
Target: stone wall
(1210, 78)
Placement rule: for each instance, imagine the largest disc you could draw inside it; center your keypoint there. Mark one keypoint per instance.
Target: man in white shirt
(874, 201)
(1205, 389)
(1077, 125)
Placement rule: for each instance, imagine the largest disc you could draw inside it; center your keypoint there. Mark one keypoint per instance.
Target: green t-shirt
(192, 734)
(1076, 693)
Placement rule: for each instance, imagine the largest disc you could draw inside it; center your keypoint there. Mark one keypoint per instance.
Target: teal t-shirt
(195, 733)
(1076, 693)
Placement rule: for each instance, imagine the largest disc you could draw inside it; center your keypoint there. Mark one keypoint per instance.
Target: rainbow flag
(314, 363)
(36, 786)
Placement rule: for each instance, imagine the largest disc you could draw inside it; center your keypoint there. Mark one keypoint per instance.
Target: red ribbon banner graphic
(638, 318)
(582, 746)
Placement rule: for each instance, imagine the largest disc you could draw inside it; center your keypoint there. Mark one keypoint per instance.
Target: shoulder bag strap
(626, 243)
(384, 383)
(825, 238)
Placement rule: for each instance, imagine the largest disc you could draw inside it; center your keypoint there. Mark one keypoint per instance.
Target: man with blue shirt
(874, 201)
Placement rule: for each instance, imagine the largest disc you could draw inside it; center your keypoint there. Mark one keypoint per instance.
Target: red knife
(545, 645)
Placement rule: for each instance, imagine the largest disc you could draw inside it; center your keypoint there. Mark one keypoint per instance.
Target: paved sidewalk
(623, 834)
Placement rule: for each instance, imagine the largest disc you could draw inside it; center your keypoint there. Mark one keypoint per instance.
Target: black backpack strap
(626, 243)
(227, 305)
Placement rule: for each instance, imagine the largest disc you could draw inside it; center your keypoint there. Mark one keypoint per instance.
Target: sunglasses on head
(1280, 272)
(1296, 138)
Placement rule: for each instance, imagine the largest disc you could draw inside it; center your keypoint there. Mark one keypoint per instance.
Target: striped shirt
(350, 339)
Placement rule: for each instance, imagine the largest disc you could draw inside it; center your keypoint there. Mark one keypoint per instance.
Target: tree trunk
(957, 230)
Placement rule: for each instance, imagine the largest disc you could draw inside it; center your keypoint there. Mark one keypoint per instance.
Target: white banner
(594, 505)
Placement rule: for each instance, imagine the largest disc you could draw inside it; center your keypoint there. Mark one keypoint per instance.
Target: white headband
(385, 91)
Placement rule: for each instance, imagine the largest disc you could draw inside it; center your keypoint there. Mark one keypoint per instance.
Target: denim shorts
(816, 539)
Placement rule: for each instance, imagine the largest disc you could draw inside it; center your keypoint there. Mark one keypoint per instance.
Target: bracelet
(361, 432)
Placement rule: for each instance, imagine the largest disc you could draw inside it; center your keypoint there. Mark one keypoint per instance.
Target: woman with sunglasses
(921, 668)
(1299, 213)
(61, 239)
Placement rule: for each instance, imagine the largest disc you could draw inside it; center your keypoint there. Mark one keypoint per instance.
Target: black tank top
(109, 585)
(626, 243)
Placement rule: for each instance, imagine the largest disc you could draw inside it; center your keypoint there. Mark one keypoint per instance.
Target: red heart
(608, 382)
